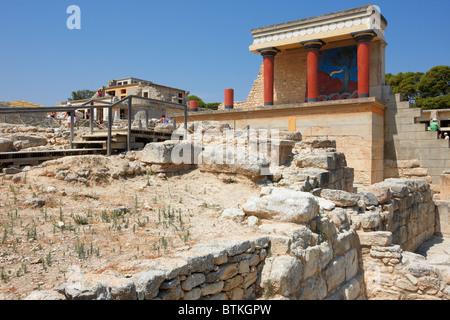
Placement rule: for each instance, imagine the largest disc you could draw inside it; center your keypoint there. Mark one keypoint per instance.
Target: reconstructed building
(121, 88)
(324, 76)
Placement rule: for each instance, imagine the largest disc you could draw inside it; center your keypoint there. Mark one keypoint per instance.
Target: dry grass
(77, 224)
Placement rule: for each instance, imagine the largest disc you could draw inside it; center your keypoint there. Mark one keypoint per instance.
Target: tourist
(99, 92)
(163, 120)
(446, 136)
(69, 117)
(434, 126)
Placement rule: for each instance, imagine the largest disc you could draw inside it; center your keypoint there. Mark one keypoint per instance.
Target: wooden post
(72, 117)
(108, 143)
(91, 118)
(146, 119)
(129, 126)
(185, 122)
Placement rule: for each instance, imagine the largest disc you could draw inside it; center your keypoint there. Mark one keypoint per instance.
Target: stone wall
(405, 140)
(223, 270)
(403, 208)
(311, 256)
(289, 80)
(329, 244)
(316, 164)
(394, 274)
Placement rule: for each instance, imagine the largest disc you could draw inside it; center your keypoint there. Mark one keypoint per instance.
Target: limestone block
(46, 295)
(369, 198)
(316, 143)
(192, 281)
(328, 161)
(335, 273)
(342, 242)
(194, 294)
(233, 214)
(421, 172)
(310, 259)
(233, 282)
(351, 264)
(445, 186)
(339, 197)
(6, 145)
(314, 288)
(148, 283)
(443, 216)
(326, 227)
(283, 204)
(280, 245)
(213, 159)
(370, 220)
(377, 238)
(119, 287)
(172, 294)
(284, 274)
(228, 271)
(351, 289)
(287, 135)
(170, 152)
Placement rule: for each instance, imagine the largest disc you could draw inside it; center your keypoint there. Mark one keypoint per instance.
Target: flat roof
(328, 27)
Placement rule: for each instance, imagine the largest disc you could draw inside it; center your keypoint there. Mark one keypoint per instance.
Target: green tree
(202, 104)
(430, 90)
(81, 94)
(404, 83)
(213, 105)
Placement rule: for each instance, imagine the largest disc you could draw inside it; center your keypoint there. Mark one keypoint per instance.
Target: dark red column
(269, 62)
(312, 67)
(363, 40)
(229, 98)
(193, 105)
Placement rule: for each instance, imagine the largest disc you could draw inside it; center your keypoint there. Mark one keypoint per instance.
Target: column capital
(313, 44)
(270, 51)
(362, 36)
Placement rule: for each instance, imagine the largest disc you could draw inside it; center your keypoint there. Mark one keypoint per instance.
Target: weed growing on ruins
(268, 289)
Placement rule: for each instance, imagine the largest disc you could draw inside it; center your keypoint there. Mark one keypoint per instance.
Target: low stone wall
(323, 244)
(317, 164)
(443, 217)
(393, 274)
(403, 207)
(224, 270)
(318, 264)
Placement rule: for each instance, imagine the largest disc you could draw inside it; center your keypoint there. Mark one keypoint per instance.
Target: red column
(363, 42)
(269, 59)
(312, 67)
(193, 105)
(229, 98)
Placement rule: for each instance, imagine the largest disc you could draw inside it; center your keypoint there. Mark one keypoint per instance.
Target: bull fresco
(338, 74)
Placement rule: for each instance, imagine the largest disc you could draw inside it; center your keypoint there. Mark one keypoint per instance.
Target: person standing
(434, 126)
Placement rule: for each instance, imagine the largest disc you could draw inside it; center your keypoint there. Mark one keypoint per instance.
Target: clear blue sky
(197, 45)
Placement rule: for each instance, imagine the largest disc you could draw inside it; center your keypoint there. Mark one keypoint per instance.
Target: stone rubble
(325, 240)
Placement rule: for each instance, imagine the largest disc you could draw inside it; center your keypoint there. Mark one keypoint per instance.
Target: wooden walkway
(120, 140)
(91, 143)
(23, 158)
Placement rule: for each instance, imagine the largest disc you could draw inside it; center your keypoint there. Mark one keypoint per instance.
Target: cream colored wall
(358, 135)
(357, 127)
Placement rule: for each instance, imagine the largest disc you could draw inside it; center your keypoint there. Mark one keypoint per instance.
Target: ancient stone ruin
(322, 237)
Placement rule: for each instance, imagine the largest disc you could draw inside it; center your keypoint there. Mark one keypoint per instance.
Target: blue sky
(197, 45)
